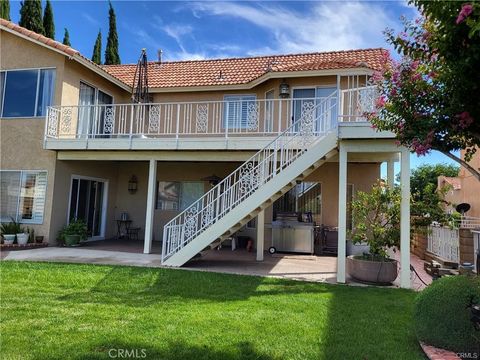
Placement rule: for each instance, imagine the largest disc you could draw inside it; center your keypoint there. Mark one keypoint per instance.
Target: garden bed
(13, 247)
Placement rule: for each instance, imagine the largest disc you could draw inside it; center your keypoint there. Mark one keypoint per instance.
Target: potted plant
(9, 231)
(22, 236)
(73, 233)
(376, 222)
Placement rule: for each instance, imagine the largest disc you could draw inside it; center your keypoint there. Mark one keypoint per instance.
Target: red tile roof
(43, 39)
(232, 71)
(237, 71)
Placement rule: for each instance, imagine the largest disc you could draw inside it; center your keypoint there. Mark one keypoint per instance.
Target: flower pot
(8, 239)
(39, 239)
(72, 240)
(22, 239)
(369, 271)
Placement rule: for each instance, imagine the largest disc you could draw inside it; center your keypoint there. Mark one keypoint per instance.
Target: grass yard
(65, 311)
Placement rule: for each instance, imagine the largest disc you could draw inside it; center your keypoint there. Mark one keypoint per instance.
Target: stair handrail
(181, 234)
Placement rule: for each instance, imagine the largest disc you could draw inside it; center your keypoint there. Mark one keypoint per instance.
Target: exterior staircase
(306, 145)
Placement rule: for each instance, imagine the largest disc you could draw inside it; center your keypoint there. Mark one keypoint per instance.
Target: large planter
(375, 272)
(8, 239)
(22, 239)
(72, 240)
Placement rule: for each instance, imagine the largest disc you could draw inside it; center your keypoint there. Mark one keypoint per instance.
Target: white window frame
(2, 100)
(22, 172)
(225, 101)
(179, 208)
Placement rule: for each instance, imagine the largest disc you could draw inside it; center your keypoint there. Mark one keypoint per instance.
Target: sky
(209, 29)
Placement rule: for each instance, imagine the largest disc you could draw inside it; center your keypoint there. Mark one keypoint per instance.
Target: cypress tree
(97, 49)
(31, 16)
(66, 38)
(5, 9)
(111, 52)
(48, 23)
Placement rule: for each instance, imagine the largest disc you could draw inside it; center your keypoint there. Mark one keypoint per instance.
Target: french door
(94, 121)
(88, 203)
(304, 99)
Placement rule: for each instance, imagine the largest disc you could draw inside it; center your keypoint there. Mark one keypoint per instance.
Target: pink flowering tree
(431, 98)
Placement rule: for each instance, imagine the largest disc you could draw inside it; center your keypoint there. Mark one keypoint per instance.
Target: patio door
(306, 98)
(88, 203)
(94, 121)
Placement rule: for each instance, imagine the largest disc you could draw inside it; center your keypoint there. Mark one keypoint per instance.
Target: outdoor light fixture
(284, 90)
(132, 185)
(213, 179)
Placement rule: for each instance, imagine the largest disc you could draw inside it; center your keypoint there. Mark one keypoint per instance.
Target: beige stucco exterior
(22, 146)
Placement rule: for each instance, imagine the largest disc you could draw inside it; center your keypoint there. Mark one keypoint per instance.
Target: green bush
(442, 314)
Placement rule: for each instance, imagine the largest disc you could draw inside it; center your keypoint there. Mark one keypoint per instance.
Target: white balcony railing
(199, 119)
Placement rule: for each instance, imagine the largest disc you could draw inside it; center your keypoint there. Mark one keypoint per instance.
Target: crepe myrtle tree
(429, 98)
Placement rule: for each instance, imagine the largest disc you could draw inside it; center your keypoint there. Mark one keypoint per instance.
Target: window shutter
(40, 195)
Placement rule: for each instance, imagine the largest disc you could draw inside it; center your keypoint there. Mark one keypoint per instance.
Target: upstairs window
(26, 93)
(237, 108)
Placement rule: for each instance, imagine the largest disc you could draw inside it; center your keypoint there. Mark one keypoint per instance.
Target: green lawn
(66, 311)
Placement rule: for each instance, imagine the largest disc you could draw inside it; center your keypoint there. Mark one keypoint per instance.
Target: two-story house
(221, 145)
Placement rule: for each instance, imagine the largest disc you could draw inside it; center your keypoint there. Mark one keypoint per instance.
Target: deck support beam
(405, 219)
(390, 174)
(152, 181)
(342, 214)
(260, 235)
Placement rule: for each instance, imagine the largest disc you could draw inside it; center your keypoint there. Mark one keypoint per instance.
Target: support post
(260, 235)
(152, 182)
(342, 214)
(405, 220)
(390, 174)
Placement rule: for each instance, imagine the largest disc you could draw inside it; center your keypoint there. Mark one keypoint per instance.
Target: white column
(342, 214)
(405, 220)
(390, 174)
(260, 235)
(152, 182)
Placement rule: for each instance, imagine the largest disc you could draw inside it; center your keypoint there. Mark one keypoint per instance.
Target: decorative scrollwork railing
(314, 122)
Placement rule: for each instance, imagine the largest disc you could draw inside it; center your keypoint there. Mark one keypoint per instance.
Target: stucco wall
(21, 139)
(21, 145)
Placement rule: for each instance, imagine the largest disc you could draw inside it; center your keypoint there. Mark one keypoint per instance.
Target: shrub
(442, 314)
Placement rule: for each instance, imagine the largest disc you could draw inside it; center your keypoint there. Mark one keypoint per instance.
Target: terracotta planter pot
(375, 272)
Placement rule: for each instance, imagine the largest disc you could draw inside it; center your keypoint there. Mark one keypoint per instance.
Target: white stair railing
(314, 123)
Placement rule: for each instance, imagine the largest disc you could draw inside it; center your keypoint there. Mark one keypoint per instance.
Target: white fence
(444, 242)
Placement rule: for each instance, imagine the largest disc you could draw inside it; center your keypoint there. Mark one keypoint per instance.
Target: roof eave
(98, 70)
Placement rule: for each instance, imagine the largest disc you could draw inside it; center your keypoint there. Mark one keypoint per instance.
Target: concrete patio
(121, 252)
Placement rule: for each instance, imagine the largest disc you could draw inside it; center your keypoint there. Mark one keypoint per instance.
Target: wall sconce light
(132, 185)
(213, 179)
(284, 90)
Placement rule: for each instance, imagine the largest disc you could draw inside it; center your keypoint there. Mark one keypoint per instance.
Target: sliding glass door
(87, 202)
(94, 121)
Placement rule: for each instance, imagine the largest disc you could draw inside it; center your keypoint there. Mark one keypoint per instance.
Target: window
(23, 196)
(237, 108)
(173, 195)
(26, 93)
(305, 197)
(90, 120)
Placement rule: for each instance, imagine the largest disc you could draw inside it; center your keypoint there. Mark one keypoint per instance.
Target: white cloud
(326, 26)
(90, 19)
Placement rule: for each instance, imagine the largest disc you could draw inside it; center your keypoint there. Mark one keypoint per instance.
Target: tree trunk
(465, 164)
